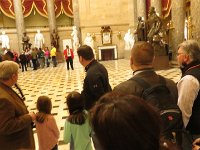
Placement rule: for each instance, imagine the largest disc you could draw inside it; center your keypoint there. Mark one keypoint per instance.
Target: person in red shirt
(69, 56)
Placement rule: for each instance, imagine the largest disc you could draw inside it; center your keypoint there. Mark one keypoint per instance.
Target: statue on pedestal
(4, 40)
(129, 40)
(25, 41)
(140, 30)
(75, 38)
(89, 40)
(55, 39)
(39, 39)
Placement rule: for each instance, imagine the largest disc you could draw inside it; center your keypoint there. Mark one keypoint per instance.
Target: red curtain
(67, 7)
(40, 6)
(63, 6)
(7, 8)
(166, 7)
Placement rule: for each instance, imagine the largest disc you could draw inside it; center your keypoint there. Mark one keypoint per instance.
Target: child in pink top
(46, 127)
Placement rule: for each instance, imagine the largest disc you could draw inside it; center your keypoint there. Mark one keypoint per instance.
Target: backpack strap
(145, 84)
(141, 82)
(162, 80)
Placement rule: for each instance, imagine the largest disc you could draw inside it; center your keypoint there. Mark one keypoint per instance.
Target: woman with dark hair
(77, 130)
(126, 122)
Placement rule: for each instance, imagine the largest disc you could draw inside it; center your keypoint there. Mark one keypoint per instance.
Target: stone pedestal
(161, 62)
(59, 57)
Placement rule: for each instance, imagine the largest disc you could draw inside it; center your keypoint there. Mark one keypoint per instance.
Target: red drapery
(61, 6)
(6, 6)
(166, 7)
(39, 5)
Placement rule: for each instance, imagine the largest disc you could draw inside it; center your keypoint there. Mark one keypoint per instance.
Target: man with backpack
(188, 57)
(154, 89)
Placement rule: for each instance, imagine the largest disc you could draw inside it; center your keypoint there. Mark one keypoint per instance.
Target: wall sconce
(93, 36)
(119, 35)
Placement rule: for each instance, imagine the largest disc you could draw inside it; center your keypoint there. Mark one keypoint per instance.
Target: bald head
(142, 54)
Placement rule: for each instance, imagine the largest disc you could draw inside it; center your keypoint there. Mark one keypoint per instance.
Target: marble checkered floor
(57, 82)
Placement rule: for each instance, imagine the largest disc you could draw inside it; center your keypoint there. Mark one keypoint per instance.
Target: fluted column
(76, 16)
(158, 5)
(195, 22)
(178, 19)
(19, 20)
(141, 9)
(132, 13)
(51, 15)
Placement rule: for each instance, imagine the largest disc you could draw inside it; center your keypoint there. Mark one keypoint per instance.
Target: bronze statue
(154, 24)
(55, 39)
(25, 40)
(140, 30)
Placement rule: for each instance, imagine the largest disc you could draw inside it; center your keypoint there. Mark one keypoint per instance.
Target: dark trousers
(54, 61)
(23, 65)
(69, 61)
(34, 64)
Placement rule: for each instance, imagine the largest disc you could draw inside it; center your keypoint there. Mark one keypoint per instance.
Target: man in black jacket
(96, 82)
(141, 61)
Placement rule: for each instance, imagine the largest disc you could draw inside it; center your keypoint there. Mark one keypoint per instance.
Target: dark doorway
(107, 54)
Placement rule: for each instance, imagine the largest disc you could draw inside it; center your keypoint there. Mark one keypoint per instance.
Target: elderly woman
(16, 122)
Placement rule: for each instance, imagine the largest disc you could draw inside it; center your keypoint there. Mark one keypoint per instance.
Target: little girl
(46, 127)
(77, 130)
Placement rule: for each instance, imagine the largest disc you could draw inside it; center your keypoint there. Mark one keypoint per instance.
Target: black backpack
(160, 97)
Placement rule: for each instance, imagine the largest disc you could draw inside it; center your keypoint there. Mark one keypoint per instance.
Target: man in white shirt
(188, 57)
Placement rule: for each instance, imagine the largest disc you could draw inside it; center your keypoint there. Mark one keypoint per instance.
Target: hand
(33, 116)
(196, 144)
(195, 147)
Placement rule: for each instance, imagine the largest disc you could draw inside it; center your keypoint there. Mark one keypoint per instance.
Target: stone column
(51, 15)
(178, 21)
(195, 22)
(19, 19)
(76, 16)
(132, 6)
(141, 9)
(158, 5)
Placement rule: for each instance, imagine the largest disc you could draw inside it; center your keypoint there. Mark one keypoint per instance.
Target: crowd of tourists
(34, 58)
(146, 112)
